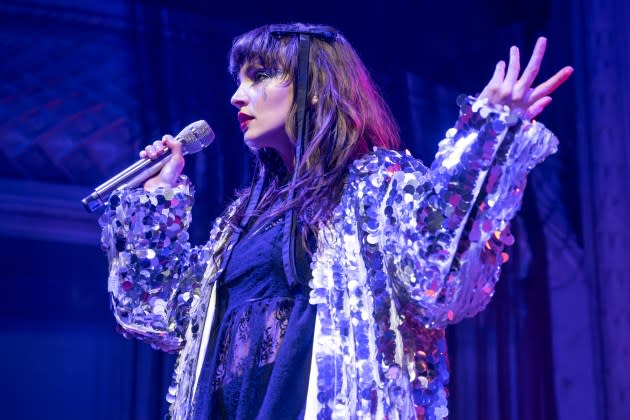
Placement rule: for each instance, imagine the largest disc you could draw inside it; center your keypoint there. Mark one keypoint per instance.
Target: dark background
(84, 85)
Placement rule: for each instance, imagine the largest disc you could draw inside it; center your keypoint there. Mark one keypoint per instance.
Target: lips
(244, 119)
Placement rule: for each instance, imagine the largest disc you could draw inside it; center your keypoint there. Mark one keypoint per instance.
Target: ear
(314, 100)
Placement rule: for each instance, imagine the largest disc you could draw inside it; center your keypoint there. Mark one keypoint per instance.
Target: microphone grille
(195, 137)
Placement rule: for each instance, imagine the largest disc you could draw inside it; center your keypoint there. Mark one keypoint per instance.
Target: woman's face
(263, 102)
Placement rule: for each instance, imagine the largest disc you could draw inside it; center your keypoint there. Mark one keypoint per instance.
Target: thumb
(173, 168)
(175, 146)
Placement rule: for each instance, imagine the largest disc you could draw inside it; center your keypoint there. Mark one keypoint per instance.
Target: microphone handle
(131, 177)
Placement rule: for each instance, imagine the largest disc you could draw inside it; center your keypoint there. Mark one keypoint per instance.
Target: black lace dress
(258, 359)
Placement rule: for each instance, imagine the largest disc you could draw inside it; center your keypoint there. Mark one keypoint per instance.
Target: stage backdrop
(84, 85)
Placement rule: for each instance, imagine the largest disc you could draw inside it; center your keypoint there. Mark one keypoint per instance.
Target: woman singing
(325, 288)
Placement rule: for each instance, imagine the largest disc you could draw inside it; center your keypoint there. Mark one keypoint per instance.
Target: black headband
(325, 33)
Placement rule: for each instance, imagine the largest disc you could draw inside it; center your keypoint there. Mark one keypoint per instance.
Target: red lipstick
(244, 119)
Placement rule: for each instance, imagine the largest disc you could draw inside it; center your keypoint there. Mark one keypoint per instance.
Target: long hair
(347, 118)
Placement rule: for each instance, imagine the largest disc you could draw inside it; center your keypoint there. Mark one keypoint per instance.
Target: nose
(239, 99)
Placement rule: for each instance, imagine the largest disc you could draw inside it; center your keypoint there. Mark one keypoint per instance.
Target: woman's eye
(261, 75)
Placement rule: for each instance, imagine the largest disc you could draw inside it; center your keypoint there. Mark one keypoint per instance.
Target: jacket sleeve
(154, 273)
(446, 228)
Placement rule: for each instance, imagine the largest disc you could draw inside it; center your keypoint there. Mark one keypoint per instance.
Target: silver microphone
(193, 138)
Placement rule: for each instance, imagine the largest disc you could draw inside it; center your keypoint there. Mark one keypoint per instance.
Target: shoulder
(382, 170)
(384, 161)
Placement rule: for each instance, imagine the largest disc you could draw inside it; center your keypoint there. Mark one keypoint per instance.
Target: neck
(289, 162)
(277, 162)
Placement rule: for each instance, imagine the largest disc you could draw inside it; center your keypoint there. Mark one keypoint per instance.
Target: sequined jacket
(407, 251)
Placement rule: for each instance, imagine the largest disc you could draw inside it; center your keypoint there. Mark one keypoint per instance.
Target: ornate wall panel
(68, 95)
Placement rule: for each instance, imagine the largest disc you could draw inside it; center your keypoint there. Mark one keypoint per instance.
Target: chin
(252, 143)
(255, 142)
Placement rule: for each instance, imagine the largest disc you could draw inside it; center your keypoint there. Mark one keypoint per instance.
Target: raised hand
(167, 177)
(508, 88)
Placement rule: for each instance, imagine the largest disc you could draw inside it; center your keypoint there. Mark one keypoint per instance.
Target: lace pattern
(243, 346)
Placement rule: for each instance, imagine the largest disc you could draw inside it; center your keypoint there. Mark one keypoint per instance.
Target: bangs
(259, 47)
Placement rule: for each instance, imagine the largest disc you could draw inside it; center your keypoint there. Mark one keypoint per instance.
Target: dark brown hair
(347, 118)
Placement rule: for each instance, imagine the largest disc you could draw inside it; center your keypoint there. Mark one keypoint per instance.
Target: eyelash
(260, 75)
(257, 76)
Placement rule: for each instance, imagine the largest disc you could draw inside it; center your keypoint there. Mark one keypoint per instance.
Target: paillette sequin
(407, 251)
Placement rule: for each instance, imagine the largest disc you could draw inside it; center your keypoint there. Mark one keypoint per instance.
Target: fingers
(501, 85)
(159, 147)
(509, 87)
(153, 150)
(513, 70)
(533, 66)
(522, 86)
(537, 107)
(492, 88)
(551, 84)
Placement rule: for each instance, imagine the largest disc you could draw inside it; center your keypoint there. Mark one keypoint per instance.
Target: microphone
(193, 138)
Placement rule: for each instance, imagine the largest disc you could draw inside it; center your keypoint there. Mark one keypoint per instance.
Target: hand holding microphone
(167, 177)
(164, 158)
